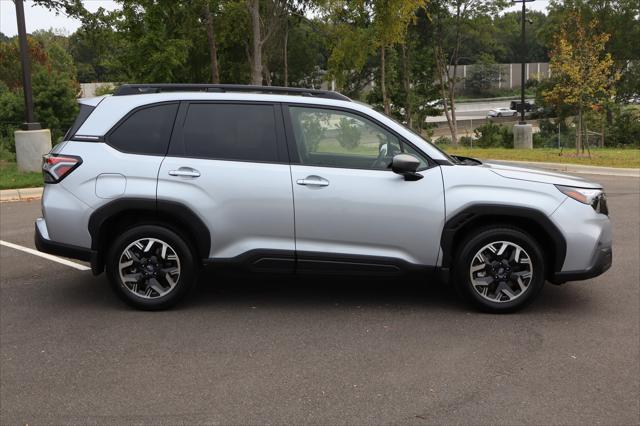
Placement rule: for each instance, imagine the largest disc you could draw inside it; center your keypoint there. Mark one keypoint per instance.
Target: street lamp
(522, 132)
(33, 141)
(30, 123)
(523, 49)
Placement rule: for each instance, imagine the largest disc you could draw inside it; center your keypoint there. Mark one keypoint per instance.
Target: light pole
(33, 141)
(522, 131)
(30, 123)
(523, 51)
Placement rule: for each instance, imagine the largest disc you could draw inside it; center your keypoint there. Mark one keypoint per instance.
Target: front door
(348, 204)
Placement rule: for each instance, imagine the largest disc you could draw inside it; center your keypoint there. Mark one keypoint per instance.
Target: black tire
(499, 114)
(466, 256)
(186, 265)
(515, 113)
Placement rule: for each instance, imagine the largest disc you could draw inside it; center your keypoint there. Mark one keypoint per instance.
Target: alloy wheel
(501, 271)
(149, 268)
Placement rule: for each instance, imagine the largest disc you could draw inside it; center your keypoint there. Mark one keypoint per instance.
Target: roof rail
(136, 89)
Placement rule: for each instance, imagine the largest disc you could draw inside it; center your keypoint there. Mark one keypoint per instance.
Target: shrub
(493, 135)
(625, 128)
(466, 141)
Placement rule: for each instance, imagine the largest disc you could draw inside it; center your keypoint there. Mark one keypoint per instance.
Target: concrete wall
(509, 73)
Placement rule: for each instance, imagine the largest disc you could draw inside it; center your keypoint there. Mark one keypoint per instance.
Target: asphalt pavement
(257, 350)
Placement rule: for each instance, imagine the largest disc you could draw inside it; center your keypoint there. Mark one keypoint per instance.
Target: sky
(39, 18)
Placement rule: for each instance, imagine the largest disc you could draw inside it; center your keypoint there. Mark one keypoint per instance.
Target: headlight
(596, 198)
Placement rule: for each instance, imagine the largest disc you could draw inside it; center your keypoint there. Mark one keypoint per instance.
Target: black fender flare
(479, 212)
(160, 209)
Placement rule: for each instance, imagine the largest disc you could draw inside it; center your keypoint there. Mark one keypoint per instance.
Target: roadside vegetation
(605, 157)
(11, 178)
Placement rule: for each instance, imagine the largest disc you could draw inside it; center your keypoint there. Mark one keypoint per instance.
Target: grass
(11, 177)
(607, 157)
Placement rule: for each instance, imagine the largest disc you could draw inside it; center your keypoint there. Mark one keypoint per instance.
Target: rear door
(227, 161)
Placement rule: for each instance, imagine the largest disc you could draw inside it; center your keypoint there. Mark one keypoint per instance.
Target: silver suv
(158, 180)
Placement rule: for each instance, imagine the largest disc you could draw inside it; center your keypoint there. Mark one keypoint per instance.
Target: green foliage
(348, 133)
(484, 75)
(493, 135)
(312, 128)
(625, 128)
(104, 89)
(53, 83)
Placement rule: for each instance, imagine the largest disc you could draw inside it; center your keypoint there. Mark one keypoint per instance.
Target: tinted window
(83, 114)
(230, 132)
(339, 139)
(146, 131)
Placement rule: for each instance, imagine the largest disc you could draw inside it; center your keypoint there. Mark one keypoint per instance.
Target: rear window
(85, 112)
(244, 132)
(145, 131)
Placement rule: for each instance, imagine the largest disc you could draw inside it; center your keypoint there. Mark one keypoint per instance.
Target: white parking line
(45, 255)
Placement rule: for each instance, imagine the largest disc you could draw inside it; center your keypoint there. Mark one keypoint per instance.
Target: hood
(538, 175)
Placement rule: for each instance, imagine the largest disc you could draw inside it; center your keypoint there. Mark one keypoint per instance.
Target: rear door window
(241, 132)
(145, 131)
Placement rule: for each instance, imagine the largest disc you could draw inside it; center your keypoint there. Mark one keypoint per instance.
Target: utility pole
(523, 134)
(30, 123)
(32, 142)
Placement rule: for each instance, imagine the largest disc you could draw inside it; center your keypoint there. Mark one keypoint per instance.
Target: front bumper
(45, 245)
(601, 263)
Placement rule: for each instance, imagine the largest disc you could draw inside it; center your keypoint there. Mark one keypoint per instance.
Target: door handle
(185, 172)
(313, 181)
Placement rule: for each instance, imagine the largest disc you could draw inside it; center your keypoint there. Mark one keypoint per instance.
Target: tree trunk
(213, 49)
(408, 110)
(604, 118)
(267, 73)
(579, 131)
(383, 86)
(256, 45)
(285, 54)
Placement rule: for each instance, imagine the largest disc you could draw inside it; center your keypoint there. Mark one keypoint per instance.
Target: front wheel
(499, 269)
(151, 267)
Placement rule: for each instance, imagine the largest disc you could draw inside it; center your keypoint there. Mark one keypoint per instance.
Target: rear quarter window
(145, 131)
(83, 114)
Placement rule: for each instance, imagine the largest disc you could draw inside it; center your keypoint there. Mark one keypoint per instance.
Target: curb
(27, 194)
(575, 168)
(23, 194)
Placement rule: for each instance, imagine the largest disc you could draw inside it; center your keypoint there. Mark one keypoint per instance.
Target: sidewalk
(26, 194)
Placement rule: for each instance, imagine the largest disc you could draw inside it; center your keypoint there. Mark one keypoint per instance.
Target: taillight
(56, 167)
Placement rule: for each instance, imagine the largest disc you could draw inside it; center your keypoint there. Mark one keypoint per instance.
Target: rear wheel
(499, 269)
(151, 267)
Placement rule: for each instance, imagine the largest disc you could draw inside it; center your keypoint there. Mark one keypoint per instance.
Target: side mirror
(406, 165)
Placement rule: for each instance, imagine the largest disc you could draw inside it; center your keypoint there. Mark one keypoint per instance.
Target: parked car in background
(502, 112)
(517, 106)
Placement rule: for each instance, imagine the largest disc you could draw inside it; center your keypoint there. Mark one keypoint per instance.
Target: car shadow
(215, 288)
(232, 289)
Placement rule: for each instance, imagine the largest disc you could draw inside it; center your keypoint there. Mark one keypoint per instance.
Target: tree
(453, 21)
(391, 19)
(211, 38)
(582, 71)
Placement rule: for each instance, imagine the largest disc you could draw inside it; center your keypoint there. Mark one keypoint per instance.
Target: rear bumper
(601, 263)
(46, 245)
